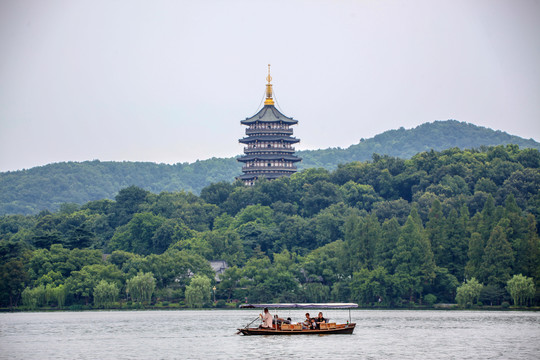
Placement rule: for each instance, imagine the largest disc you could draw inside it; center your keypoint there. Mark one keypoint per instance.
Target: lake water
(211, 334)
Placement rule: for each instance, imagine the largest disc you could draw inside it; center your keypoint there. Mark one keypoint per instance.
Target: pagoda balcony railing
(269, 168)
(248, 150)
(269, 131)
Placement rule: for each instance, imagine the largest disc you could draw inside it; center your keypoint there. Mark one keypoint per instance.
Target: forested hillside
(388, 232)
(46, 187)
(402, 143)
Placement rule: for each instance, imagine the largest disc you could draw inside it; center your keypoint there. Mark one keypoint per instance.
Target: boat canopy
(303, 306)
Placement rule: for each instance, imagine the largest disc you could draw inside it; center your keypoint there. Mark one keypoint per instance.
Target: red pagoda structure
(269, 150)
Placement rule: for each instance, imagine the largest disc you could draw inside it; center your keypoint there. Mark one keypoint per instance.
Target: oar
(238, 332)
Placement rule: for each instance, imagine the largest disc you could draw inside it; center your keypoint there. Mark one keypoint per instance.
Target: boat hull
(344, 329)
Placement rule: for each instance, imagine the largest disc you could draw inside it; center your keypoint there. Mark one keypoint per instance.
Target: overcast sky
(169, 81)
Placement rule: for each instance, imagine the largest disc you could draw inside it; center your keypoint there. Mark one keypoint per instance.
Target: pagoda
(269, 150)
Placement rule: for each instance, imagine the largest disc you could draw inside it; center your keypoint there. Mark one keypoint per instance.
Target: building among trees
(219, 267)
(269, 150)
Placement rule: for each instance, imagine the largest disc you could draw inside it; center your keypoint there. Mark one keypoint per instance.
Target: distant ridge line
(47, 187)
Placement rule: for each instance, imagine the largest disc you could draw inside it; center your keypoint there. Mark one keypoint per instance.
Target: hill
(46, 187)
(405, 143)
(407, 232)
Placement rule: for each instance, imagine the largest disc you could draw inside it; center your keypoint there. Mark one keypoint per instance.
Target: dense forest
(440, 227)
(47, 187)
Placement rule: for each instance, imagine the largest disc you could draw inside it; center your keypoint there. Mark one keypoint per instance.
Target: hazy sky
(169, 81)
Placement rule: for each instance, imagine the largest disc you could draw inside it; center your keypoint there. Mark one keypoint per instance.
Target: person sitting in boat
(307, 322)
(266, 319)
(320, 320)
(278, 320)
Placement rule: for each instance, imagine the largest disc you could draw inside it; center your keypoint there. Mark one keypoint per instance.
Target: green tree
(13, 277)
(498, 258)
(141, 287)
(60, 259)
(488, 218)
(528, 251)
(105, 294)
(254, 213)
(225, 245)
(521, 288)
(169, 232)
(492, 295)
(384, 249)
(486, 185)
(217, 193)
(444, 285)
(170, 269)
(316, 292)
(359, 195)
(328, 224)
(76, 229)
(138, 234)
(319, 196)
(128, 202)
(229, 281)
(398, 209)
(58, 294)
(475, 256)
(413, 258)
(524, 184)
(367, 287)
(430, 299)
(83, 282)
(53, 278)
(469, 292)
(198, 291)
(325, 264)
(361, 237)
(457, 244)
(33, 297)
(436, 233)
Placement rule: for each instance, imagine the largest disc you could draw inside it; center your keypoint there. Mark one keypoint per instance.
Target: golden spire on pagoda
(269, 100)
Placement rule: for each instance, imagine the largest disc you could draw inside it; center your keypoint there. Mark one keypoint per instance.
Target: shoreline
(498, 308)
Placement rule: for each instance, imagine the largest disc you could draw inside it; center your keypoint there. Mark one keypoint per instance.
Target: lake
(211, 334)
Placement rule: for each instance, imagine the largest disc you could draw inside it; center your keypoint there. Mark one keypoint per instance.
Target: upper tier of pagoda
(269, 114)
(269, 152)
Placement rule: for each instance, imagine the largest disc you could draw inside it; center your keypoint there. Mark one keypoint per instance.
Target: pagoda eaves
(269, 152)
(269, 114)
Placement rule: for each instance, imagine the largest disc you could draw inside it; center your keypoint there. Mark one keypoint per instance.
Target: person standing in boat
(307, 322)
(266, 319)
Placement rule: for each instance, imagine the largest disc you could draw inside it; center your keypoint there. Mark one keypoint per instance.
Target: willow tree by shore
(141, 287)
(521, 288)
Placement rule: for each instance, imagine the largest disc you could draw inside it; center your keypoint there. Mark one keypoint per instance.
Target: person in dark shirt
(320, 319)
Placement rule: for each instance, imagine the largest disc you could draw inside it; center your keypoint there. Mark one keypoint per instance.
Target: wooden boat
(296, 329)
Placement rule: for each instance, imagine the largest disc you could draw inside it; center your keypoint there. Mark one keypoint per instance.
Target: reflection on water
(212, 334)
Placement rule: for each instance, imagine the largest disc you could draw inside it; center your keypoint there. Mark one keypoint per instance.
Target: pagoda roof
(284, 138)
(269, 114)
(269, 157)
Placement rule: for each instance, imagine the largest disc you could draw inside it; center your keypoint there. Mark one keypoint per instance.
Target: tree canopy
(385, 232)
(75, 183)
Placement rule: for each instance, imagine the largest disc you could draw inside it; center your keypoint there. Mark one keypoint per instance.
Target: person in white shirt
(266, 319)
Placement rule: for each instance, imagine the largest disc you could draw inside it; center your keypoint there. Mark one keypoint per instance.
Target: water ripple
(212, 334)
